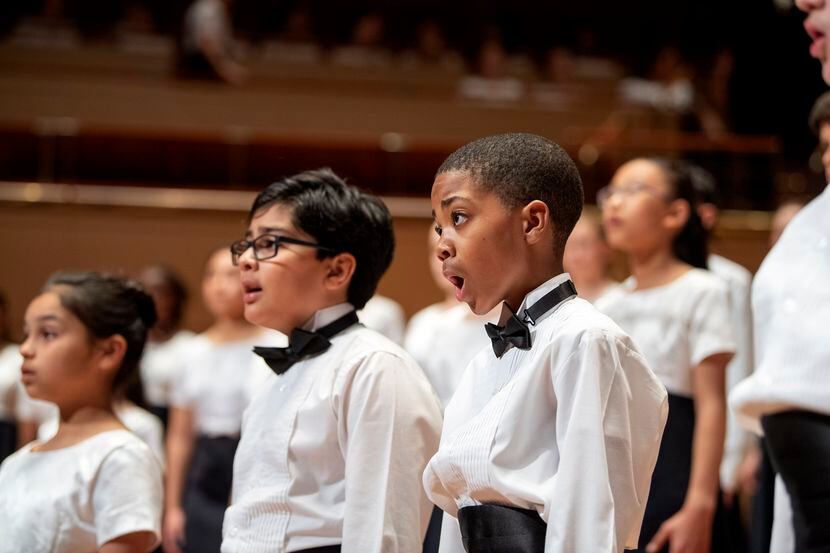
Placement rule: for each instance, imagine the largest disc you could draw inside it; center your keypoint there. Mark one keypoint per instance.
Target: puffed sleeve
(710, 327)
(390, 425)
(610, 415)
(127, 495)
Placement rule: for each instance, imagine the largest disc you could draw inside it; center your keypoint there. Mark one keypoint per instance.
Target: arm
(690, 529)
(137, 542)
(180, 438)
(389, 427)
(609, 420)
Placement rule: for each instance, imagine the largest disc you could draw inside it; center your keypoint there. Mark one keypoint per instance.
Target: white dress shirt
(570, 428)
(739, 282)
(332, 451)
(161, 364)
(677, 325)
(75, 499)
(384, 315)
(791, 313)
(215, 384)
(443, 340)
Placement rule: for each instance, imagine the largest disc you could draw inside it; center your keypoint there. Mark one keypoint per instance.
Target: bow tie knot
(514, 332)
(303, 344)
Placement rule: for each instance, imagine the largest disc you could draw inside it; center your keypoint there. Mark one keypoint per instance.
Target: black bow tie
(304, 344)
(515, 331)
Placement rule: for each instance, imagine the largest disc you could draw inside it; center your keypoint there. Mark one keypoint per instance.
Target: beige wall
(39, 238)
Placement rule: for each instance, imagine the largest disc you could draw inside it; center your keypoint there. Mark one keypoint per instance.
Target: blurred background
(135, 132)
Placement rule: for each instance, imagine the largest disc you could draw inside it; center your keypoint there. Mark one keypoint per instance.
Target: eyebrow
(266, 230)
(446, 202)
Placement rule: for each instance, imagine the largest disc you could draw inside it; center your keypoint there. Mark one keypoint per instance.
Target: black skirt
(8, 438)
(671, 477)
(501, 529)
(207, 492)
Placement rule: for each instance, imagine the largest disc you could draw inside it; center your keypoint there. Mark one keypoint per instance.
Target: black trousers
(207, 492)
(799, 448)
(501, 529)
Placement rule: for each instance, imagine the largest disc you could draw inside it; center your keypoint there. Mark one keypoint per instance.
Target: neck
(591, 289)
(229, 330)
(161, 333)
(654, 268)
(534, 280)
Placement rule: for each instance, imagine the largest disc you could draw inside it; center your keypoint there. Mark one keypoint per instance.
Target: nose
(26, 349)
(808, 5)
(443, 248)
(247, 261)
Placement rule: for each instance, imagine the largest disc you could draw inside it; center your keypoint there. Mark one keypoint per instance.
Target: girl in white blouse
(208, 400)
(94, 486)
(678, 314)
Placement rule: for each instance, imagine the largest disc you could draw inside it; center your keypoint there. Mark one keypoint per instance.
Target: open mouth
(250, 292)
(818, 38)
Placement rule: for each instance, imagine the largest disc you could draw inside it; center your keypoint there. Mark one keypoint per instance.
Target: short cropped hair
(519, 168)
(340, 217)
(820, 113)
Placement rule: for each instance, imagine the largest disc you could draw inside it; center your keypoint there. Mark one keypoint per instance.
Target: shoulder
(578, 324)
(363, 344)
(733, 273)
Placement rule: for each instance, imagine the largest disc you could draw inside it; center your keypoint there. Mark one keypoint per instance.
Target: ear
(708, 214)
(111, 352)
(536, 222)
(677, 215)
(339, 271)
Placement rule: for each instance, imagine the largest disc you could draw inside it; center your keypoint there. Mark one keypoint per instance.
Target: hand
(747, 477)
(688, 531)
(172, 534)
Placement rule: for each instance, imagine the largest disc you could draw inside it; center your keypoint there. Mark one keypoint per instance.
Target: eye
(437, 230)
(457, 218)
(47, 334)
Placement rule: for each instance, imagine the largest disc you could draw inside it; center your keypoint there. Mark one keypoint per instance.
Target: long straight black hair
(691, 243)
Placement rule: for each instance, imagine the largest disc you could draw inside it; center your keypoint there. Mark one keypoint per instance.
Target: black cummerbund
(324, 549)
(500, 529)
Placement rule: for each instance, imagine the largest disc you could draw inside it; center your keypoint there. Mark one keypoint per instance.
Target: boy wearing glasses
(333, 446)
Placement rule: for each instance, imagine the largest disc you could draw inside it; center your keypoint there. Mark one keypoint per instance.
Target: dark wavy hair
(108, 306)
(691, 243)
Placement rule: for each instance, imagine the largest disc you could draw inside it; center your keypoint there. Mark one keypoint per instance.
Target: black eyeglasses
(267, 246)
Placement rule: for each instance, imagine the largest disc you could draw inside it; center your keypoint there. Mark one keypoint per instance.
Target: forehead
(453, 186)
(274, 218)
(48, 303)
(638, 170)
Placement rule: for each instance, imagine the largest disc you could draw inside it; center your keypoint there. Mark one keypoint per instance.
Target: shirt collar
(535, 295)
(327, 315)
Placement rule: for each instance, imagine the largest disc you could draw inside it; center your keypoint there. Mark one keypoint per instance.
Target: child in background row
(94, 486)
(677, 312)
(445, 336)
(551, 437)
(207, 403)
(587, 259)
(332, 447)
(167, 345)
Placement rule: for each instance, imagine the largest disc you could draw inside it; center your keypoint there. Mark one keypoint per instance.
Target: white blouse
(677, 325)
(216, 384)
(161, 364)
(76, 499)
(443, 341)
(139, 421)
(570, 428)
(384, 315)
(739, 282)
(332, 451)
(791, 311)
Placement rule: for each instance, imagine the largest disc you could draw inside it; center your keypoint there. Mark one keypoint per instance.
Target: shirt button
(234, 530)
(282, 388)
(790, 306)
(822, 243)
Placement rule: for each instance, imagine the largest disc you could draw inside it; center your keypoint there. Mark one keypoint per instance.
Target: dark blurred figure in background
(206, 49)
